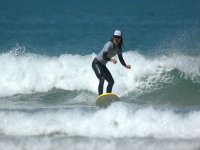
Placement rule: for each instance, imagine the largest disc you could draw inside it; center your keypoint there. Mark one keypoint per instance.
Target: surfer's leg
(101, 83)
(98, 71)
(109, 79)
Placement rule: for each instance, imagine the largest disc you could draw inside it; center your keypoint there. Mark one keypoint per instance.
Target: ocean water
(48, 88)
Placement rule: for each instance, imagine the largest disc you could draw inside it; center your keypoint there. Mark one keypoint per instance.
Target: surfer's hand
(113, 61)
(128, 66)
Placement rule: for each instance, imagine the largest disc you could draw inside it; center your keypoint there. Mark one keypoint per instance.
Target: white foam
(117, 121)
(29, 73)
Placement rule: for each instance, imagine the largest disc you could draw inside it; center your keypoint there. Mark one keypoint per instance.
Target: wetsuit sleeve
(122, 60)
(105, 57)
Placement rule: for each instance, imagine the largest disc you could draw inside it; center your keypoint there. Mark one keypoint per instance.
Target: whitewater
(27, 73)
(51, 99)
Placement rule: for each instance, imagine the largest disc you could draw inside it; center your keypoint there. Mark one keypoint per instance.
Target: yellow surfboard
(104, 100)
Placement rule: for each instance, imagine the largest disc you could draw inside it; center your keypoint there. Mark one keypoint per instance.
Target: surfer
(110, 49)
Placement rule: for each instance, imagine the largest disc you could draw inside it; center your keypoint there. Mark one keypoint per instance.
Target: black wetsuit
(100, 69)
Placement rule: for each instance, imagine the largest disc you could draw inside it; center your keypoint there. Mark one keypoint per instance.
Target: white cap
(117, 33)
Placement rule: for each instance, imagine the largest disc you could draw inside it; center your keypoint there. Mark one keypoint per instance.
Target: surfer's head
(117, 37)
(117, 33)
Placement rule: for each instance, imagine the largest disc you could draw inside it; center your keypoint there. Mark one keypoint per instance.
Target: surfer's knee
(101, 79)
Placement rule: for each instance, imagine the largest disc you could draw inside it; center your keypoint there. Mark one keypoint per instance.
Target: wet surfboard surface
(104, 100)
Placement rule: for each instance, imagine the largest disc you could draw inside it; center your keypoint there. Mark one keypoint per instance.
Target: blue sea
(48, 88)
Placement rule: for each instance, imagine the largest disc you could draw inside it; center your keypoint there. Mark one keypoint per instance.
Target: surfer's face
(117, 40)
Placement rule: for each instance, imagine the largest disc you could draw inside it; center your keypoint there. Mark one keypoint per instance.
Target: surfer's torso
(111, 52)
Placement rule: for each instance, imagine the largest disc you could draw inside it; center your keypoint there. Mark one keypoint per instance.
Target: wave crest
(29, 73)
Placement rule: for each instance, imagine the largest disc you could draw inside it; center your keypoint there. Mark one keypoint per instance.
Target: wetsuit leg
(102, 73)
(98, 68)
(109, 79)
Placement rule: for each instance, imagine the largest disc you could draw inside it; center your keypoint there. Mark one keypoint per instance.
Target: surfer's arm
(106, 49)
(121, 59)
(105, 57)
